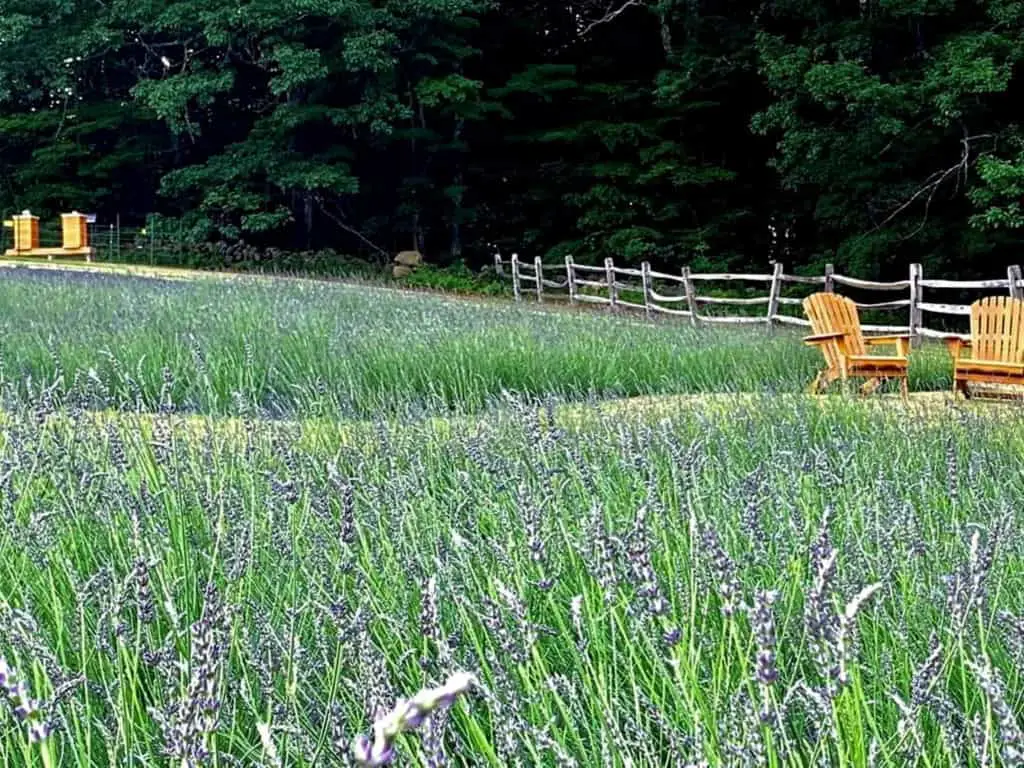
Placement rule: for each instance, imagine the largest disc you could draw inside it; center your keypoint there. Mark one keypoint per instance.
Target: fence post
(645, 279)
(570, 279)
(830, 285)
(499, 270)
(915, 301)
(773, 294)
(691, 297)
(538, 270)
(515, 277)
(609, 276)
(1014, 274)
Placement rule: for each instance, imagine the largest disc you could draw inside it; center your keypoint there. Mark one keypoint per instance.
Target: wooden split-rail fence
(605, 285)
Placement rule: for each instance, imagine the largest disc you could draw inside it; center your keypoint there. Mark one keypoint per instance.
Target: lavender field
(238, 530)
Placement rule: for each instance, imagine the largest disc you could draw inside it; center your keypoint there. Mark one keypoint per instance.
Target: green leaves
(290, 174)
(296, 66)
(372, 51)
(266, 220)
(884, 120)
(1000, 194)
(967, 66)
(850, 86)
(449, 89)
(172, 98)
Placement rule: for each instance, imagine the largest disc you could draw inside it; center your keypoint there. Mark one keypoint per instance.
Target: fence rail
(611, 281)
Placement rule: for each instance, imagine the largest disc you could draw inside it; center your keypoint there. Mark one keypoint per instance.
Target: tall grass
(773, 582)
(290, 348)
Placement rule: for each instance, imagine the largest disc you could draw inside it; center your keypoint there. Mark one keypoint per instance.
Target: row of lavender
(301, 348)
(606, 284)
(756, 584)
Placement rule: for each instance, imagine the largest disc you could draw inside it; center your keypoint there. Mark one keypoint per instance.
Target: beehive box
(26, 232)
(74, 231)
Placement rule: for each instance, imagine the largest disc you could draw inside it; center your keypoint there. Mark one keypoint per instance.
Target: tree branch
(610, 13)
(934, 182)
(350, 229)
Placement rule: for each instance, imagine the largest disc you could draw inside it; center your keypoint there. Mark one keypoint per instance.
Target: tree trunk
(455, 248)
(307, 218)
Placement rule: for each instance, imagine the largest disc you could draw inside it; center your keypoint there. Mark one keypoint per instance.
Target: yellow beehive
(26, 231)
(74, 231)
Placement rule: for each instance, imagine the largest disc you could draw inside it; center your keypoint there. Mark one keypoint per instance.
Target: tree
(882, 112)
(674, 131)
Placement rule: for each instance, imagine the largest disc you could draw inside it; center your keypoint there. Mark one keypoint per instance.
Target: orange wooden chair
(837, 333)
(996, 346)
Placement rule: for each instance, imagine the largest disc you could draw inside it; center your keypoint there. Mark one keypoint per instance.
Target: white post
(570, 279)
(915, 301)
(645, 278)
(1014, 274)
(773, 294)
(691, 296)
(609, 276)
(538, 270)
(830, 286)
(515, 277)
(499, 270)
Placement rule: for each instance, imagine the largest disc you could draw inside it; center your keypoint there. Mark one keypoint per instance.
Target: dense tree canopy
(711, 132)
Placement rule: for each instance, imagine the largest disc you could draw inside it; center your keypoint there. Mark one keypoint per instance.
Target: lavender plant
(301, 348)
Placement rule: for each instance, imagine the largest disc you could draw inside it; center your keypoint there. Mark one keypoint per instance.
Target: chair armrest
(821, 338)
(901, 340)
(869, 340)
(956, 345)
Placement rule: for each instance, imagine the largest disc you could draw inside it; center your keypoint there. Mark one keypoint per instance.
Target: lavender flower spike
(407, 715)
(26, 709)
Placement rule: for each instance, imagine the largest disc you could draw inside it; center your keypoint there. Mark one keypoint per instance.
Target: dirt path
(134, 270)
(569, 415)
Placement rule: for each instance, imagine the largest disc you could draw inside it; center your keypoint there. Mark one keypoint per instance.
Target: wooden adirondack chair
(996, 346)
(837, 333)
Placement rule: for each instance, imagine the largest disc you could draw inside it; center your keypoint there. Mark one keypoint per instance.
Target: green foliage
(885, 115)
(456, 278)
(868, 134)
(176, 97)
(1000, 196)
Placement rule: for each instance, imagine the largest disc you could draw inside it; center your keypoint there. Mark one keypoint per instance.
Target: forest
(714, 133)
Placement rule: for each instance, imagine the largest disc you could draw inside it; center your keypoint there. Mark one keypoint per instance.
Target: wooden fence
(610, 282)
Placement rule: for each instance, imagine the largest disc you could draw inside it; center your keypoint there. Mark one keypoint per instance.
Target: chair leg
(870, 386)
(904, 388)
(822, 381)
(815, 386)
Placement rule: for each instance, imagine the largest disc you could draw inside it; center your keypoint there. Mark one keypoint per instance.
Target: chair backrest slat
(997, 329)
(818, 316)
(832, 313)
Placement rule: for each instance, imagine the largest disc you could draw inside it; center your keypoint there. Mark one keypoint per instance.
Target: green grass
(748, 576)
